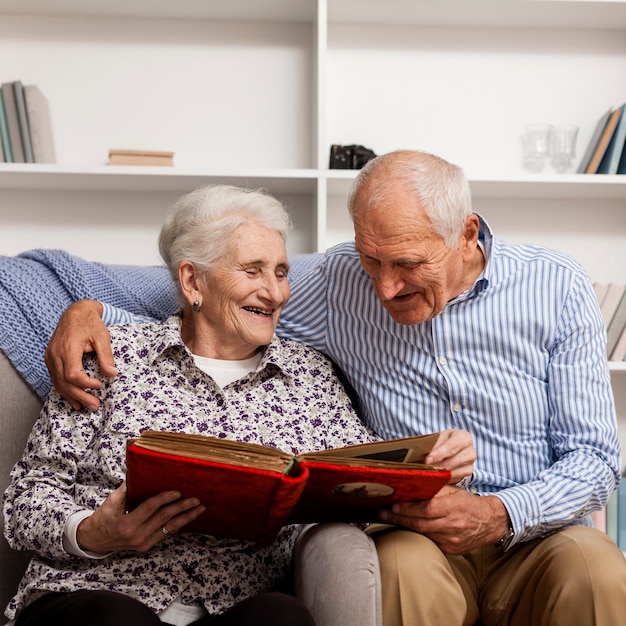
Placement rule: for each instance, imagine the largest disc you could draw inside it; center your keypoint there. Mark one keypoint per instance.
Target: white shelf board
(239, 10)
(31, 177)
(579, 14)
(565, 186)
(558, 187)
(585, 14)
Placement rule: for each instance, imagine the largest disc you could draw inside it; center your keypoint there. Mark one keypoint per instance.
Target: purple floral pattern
(73, 460)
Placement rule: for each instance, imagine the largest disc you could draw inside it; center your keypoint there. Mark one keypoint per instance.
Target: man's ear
(471, 230)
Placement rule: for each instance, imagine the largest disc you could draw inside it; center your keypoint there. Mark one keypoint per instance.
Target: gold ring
(165, 531)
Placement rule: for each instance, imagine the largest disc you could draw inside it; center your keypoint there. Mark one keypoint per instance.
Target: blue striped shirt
(519, 361)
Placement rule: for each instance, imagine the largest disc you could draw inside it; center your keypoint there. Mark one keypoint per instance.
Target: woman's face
(244, 295)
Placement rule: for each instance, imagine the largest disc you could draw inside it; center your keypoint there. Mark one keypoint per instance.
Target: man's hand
(111, 529)
(454, 451)
(79, 330)
(456, 520)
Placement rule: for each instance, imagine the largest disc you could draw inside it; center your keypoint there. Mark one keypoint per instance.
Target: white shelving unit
(254, 93)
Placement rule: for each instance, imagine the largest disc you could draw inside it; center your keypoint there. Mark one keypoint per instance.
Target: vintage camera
(349, 157)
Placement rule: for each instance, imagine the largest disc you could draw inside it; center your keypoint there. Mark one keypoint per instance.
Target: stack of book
(605, 153)
(140, 157)
(612, 300)
(25, 127)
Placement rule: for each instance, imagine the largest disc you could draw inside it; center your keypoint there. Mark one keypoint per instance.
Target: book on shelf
(611, 301)
(619, 351)
(251, 491)
(3, 159)
(20, 105)
(13, 123)
(600, 290)
(140, 157)
(616, 325)
(593, 142)
(611, 159)
(621, 167)
(4, 132)
(612, 514)
(621, 514)
(599, 519)
(604, 140)
(40, 124)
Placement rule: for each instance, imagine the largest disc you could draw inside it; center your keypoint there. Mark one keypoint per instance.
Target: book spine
(13, 123)
(20, 105)
(592, 168)
(619, 352)
(38, 114)
(616, 326)
(611, 516)
(599, 519)
(593, 142)
(611, 302)
(4, 132)
(287, 495)
(609, 162)
(621, 515)
(618, 144)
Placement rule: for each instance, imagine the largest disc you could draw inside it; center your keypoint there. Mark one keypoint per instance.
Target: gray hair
(199, 224)
(440, 188)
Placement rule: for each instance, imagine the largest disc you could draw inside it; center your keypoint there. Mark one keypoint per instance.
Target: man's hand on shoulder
(80, 330)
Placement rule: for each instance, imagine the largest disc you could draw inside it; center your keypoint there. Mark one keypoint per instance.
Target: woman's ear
(189, 280)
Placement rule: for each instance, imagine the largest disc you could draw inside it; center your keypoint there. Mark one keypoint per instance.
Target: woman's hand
(454, 451)
(111, 529)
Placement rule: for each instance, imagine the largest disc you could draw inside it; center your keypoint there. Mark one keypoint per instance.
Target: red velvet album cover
(251, 491)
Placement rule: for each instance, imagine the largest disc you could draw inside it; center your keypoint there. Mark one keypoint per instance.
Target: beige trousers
(575, 577)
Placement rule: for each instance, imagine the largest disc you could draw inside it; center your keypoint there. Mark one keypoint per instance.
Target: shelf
(617, 366)
(21, 177)
(566, 186)
(245, 10)
(590, 14)
(560, 14)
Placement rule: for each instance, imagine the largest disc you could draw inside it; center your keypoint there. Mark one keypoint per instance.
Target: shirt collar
(167, 337)
(485, 243)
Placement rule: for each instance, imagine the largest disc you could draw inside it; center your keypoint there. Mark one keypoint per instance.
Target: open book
(251, 491)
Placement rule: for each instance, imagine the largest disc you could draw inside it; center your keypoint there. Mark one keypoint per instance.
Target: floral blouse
(74, 459)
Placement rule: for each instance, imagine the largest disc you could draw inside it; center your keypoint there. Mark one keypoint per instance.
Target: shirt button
(456, 407)
(443, 360)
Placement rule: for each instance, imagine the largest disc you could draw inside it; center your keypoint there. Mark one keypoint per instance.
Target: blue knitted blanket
(37, 286)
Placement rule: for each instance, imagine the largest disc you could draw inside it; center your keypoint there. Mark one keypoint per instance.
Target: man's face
(413, 272)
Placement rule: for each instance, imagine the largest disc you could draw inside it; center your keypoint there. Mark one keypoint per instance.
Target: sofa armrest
(19, 408)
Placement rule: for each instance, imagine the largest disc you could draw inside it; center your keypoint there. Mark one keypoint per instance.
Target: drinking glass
(536, 146)
(563, 146)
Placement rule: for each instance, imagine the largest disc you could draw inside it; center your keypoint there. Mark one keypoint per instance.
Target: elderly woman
(215, 368)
